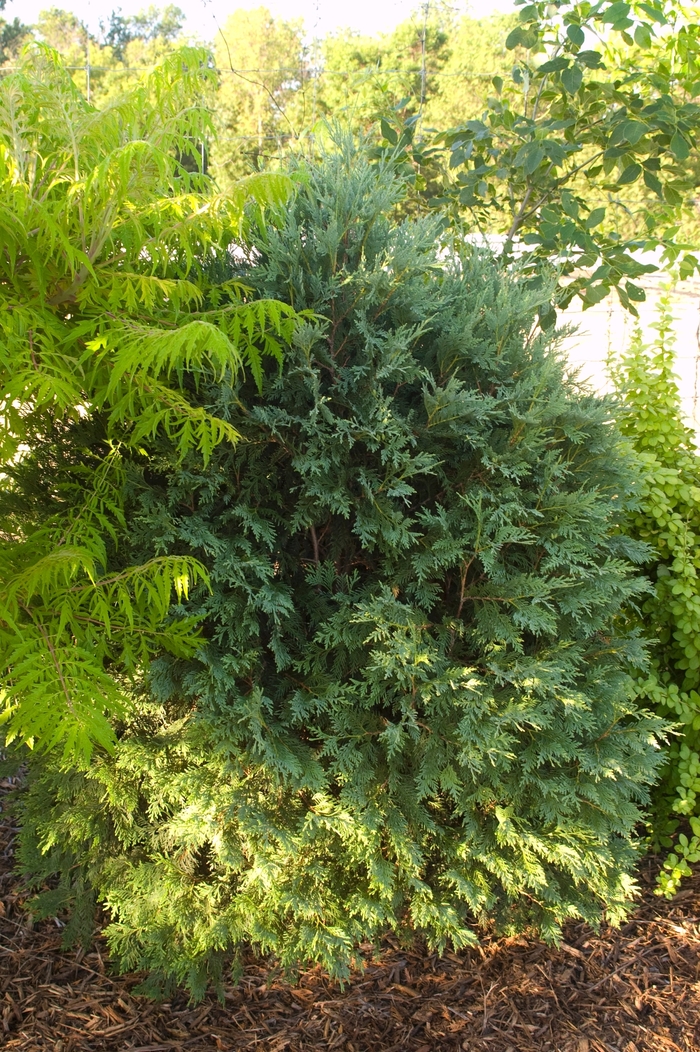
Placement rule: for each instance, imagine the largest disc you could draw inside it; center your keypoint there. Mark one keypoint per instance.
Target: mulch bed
(630, 990)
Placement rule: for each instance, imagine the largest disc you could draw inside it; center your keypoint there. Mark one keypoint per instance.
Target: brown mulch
(630, 990)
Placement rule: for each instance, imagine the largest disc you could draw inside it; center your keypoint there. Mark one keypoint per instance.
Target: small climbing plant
(668, 519)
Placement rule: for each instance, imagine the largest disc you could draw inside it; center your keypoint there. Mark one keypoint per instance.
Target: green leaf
(554, 151)
(617, 14)
(528, 38)
(595, 218)
(591, 59)
(570, 204)
(575, 35)
(633, 131)
(529, 157)
(655, 13)
(653, 183)
(635, 292)
(457, 157)
(630, 174)
(688, 266)
(514, 38)
(554, 65)
(642, 36)
(389, 133)
(572, 79)
(594, 294)
(547, 316)
(679, 147)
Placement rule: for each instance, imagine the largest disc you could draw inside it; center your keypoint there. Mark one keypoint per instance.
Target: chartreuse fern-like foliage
(414, 707)
(106, 311)
(70, 631)
(668, 519)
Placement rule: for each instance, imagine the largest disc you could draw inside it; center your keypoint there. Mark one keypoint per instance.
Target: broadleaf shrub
(414, 709)
(668, 519)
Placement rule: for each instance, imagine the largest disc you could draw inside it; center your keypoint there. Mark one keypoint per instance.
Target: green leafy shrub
(413, 710)
(104, 307)
(668, 519)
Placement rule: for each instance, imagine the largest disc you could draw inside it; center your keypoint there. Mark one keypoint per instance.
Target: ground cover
(631, 990)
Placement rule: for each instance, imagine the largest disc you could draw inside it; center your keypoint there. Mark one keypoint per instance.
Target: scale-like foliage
(106, 311)
(414, 707)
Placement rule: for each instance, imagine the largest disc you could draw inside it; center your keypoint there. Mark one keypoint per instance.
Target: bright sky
(320, 16)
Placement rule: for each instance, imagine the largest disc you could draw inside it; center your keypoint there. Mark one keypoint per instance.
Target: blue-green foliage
(413, 707)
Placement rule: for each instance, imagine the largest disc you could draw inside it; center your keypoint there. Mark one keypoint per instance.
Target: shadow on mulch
(636, 989)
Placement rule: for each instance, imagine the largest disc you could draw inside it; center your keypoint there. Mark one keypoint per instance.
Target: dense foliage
(413, 709)
(104, 305)
(570, 128)
(106, 64)
(668, 518)
(599, 102)
(274, 84)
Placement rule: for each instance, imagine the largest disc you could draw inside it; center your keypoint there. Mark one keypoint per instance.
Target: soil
(634, 989)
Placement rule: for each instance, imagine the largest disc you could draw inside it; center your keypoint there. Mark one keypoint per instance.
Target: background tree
(12, 35)
(126, 47)
(578, 119)
(476, 53)
(362, 78)
(150, 25)
(262, 63)
(70, 38)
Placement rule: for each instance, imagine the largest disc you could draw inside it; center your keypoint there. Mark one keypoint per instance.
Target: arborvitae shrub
(412, 711)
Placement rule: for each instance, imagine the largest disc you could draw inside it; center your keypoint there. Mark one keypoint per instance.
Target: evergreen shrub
(413, 709)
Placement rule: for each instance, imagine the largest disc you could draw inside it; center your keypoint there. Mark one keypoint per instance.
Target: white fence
(608, 327)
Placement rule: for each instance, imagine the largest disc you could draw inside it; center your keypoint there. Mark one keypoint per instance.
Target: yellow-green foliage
(108, 321)
(260, 97)
(669, 520)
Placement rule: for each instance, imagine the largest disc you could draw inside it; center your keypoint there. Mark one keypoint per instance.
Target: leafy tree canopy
(150, 24)
(601, 99)
(12, 36)
(262, 63)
